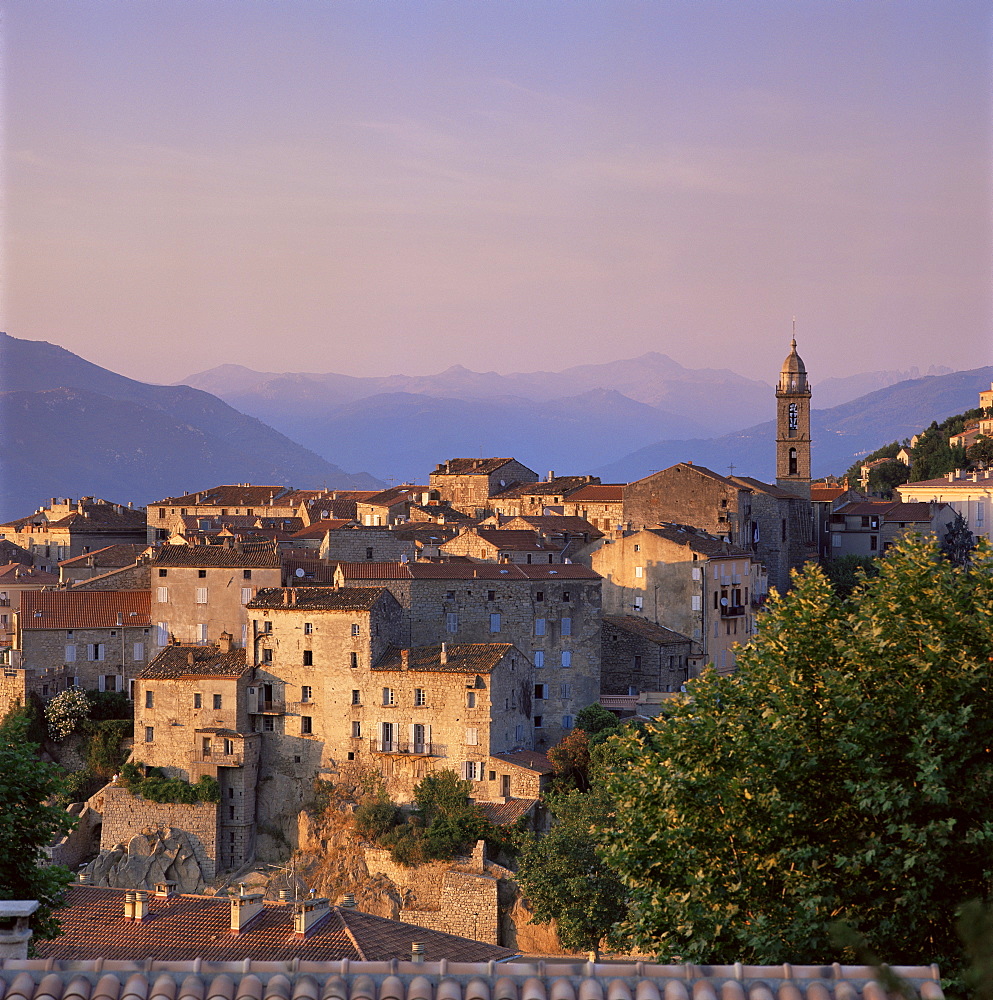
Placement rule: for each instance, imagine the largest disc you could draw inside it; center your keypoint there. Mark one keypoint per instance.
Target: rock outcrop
(163, 855)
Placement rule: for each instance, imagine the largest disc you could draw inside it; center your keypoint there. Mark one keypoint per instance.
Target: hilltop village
(270, 638)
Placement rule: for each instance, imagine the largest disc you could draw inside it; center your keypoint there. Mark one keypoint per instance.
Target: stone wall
(134, 577)
(126, 816)
(361, 544)
(81, 842)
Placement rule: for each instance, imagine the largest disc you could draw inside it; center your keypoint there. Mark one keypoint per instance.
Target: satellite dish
(299, 573)
(724, 600)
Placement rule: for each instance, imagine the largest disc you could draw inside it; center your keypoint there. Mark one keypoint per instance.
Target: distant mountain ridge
(72, 427)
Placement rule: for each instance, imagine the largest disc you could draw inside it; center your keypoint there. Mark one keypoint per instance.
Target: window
(95, 651)
(353, 659)
(217, 701)
(565, 691)
(306, 725)
(452, 622)
(873, 543)
(162, 594)
(540, 595)
(449, 595)
(246, 594)
(356, 697)
(566, 626)
(246, 574)
(198, 700)
(267, 627)
(138, 652)
(368, 553)
(541, 691)
(149, 734)
(491, 595)
(308, 628)
(495, 623)
(70, 653)
(202, 632)
(696, 603)
(267, 656)
(539, 658)
(268, 724)
(420, 696)
(566, 658)
(566, 597)
(356, 730)
(639, 603)
(470, 699)
(306, 692)
(567, 722)
(518, 733)
(538, 721)
(356, 630)
(472, 737)
(308, 657)
(539, 626)
(639, 572)
(388, 696)
(228, 747)
(149, 699)
(201, 595)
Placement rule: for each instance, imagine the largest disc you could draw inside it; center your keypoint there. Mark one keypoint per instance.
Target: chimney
(443, 655)
(416, 952)
(140, 904)
(165, 889)
(404, 659)
(308, 915)
(129, 905)
(15, 927)
(286, 596)
(951, 477)
(551, 475)
(245, 907)
(347, 901)
(190, 658)
(224, 642)
(84, 878)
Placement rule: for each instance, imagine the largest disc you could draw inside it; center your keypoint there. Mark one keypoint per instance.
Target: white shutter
(138, 652)
(71, 653)
(410, 736)
(162, 595)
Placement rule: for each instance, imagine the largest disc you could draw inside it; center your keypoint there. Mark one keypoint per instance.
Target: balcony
(412, 749)
(216, 756)
(732, 611)
(269, 708)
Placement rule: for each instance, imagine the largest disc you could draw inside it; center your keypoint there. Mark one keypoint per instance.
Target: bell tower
(793, 426)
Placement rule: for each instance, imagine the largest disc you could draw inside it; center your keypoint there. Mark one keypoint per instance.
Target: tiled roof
(317, 598)
(758, 486)
(109, 556)
(465, 571)
(460, 658)
(15, 572)
(257, 555)
(530, 760)
(505, 813)
(395, 495)
(697, 540)
(425, 532)
(561, 485)
(556, 524)
(598, 493)
(448, 979)
(12, 552)
(888, 510)
(470, 466)
(102, 517)
(42, 609)
(824, 494)
(320, 528)
(956, 484)
(514, 539)
(196, 661)
(235, 495)
(645, 629)
(198, 927)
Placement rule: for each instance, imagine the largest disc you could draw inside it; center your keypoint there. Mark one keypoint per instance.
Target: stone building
(192, 719)
(686, 580)
(392, 506)
(468, 484)
(358, 544)
(546, 496)
(200, 591)
(67, 528)
(15, 579)
(639, 656)
(793, 426)
(99, 640)
(602, 504)
(99, 562)
(503, 545)
(870, 527)
(550, 613)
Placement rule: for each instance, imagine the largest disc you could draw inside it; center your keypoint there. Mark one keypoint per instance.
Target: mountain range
(71, 427)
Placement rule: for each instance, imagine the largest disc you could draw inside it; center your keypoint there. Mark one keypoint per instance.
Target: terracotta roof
(258, 555)
(12, 552)
(196, 661)
(556, 524)
(320, 528)
(304, 979)
(465, 571)
(561, 485)
(316, 598)
(109, 556)
(598, 493)
(512, 539)
(460, 658)
(396, 494)
(198, 927)
(759, 487)
(645, 629)
(942, 483)
(235, 495)
(15, 572)
(823, 494)
(101, 517)
(71, 609)
(697, 540)
(505, 813)
(530, 760)
(470, 466)
(888, 510)
(424, 531)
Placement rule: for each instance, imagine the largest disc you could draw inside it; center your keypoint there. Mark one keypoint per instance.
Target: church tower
(793, 426)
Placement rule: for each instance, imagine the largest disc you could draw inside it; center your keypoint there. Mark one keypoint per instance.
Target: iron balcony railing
(405, 747)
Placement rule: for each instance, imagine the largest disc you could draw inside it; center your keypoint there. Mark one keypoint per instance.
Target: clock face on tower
(793, 416)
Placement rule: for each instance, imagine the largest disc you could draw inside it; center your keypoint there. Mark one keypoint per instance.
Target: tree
(958, 541)
(884, 477)
(980, 452)
(27, 824)
(843, 773)
(846, 572)
(564, 876)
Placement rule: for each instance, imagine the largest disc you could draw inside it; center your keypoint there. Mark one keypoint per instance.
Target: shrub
(375, 818)
(65, 711)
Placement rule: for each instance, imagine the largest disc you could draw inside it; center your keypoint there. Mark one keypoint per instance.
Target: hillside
(72, 426)
(840, 433)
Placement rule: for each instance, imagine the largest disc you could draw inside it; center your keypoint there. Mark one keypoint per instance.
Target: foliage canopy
(844, 773)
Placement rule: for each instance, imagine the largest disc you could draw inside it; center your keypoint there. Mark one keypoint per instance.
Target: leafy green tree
(27, 824)
(980, 452)
(884, 477)
(571, 759)
(854, 472)
(563, 874)
(958, 541)
(843, 773)
(595, 719)
(846, 572)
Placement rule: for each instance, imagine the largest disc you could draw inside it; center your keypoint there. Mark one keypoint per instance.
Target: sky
(380, 187)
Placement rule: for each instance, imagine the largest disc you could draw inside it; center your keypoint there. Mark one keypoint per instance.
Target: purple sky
(378, 187)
